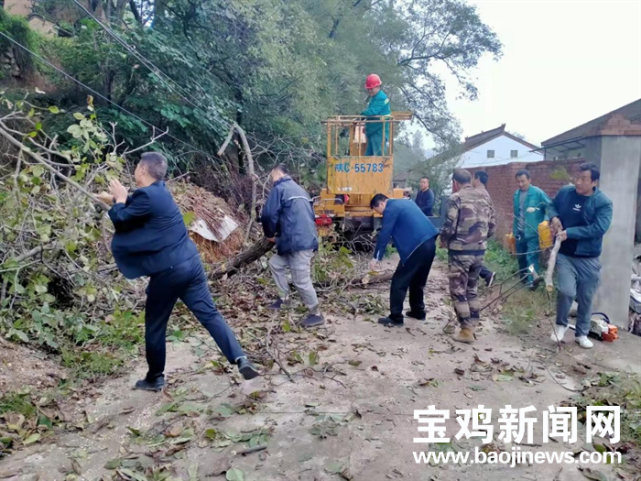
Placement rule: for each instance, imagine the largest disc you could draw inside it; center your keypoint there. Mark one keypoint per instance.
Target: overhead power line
(101, 96)
(162, 76)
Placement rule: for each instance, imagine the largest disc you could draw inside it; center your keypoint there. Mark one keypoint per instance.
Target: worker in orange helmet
(378, 106)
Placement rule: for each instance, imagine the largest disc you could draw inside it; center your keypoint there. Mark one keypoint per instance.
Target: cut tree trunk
(247, 256)
(263, 246)
(357, 281)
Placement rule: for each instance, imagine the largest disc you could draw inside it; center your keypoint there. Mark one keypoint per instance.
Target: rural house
(494, 147)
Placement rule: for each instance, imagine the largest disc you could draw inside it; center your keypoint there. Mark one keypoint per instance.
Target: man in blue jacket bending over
(151, 240)
(415, 239)
(288, 220)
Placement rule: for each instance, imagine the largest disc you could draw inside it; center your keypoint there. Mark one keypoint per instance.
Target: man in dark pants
(151, 240)
(425, 197)
(415, 239)
(480, 182)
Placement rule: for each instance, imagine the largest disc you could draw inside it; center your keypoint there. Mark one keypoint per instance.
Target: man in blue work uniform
(415, 239)
(530, 204)
(151, 240)
(378, 106)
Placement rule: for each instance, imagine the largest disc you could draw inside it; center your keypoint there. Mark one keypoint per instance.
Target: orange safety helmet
(372, 81)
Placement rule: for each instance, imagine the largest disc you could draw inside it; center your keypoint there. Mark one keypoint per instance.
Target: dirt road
(349, 410)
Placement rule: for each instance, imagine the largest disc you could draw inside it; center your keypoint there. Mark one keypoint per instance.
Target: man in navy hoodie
(415, 239)
(581, 215)
(151, 240)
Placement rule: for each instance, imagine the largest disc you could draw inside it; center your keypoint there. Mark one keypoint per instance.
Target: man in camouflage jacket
(470, 221)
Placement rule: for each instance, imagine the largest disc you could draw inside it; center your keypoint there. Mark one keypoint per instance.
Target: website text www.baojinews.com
(516, 426)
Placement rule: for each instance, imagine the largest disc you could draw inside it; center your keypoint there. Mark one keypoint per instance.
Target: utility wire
(184, 93)
(98, 94)
(147, 63)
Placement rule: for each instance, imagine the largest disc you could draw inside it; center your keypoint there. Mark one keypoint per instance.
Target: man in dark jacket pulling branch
(469, 222)
(151, 240)
(288, 220)
(581, 215)
(425, 197)
(415, 239)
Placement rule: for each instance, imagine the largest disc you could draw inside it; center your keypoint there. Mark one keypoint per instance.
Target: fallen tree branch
(46, 165)
(248, 256)
(549, 284)
(35, 251)
(359, 281)
(222, 149)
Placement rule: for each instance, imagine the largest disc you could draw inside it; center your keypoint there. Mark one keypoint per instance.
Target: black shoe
(247, 369)
(278, 304)
(387, 322)
(415, 315)
(536, 283)
(490, 281)
(155, 385)
(312, 320)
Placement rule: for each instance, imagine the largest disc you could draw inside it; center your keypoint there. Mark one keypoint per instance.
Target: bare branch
(51, 169)
(154, 139)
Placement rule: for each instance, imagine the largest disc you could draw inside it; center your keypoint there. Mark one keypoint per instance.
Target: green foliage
(331, 264)
(524, 307)
(18, 29)
(277, 68)
(500, 260)
(560, 173)
(54, 294)
(17, 402)
(91, 365)
(390, 251)
(441, 253)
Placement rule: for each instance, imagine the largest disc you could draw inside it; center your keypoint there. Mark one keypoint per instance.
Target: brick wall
(548, 175)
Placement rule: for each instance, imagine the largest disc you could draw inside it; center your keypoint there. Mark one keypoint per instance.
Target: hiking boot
(312, 320)
(416, 315)
(155, 385)
(247, 369)
(490, 281)
(387, 322)
(584, 342)
(465, 335)
(558, 333)
(278, 304)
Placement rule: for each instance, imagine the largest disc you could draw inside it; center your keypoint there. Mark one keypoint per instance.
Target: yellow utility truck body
(354, 178)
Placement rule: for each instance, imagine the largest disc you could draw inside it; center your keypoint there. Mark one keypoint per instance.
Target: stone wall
(8, 65)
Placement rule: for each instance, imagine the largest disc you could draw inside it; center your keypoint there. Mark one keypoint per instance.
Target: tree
(276, 68)
(408, 152)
